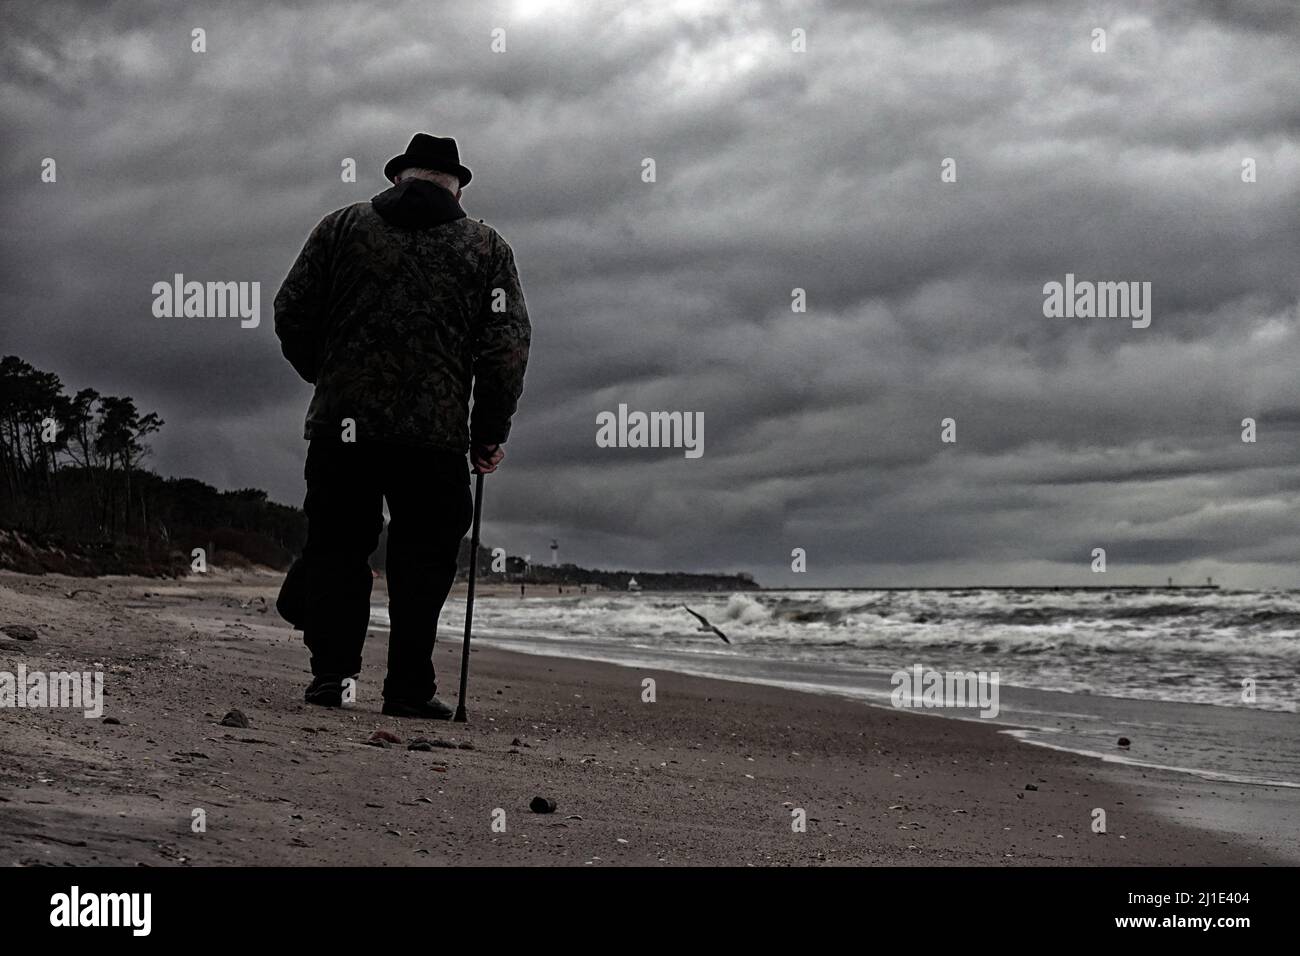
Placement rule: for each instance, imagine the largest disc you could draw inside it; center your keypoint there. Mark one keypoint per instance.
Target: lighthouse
(555, 553)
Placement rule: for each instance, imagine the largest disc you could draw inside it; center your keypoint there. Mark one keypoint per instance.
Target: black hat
(429, 152)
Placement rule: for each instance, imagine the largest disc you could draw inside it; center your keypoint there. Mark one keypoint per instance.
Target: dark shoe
(325, 691)
(432, 709)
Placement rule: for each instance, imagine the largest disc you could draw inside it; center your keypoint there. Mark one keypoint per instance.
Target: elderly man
(397, 310)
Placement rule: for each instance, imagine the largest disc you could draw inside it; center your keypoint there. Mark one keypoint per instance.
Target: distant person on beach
(397, 310)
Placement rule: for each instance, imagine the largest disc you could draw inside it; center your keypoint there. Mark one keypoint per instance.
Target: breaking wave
(1192, 646)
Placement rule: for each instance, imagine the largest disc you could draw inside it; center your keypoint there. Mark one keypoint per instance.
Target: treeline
(73, 482)
(570, 574)
(76, 498)
(517, 571)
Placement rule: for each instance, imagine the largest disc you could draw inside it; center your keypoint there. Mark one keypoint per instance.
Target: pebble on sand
(111, 720)
(386, 736)
(1124, 742)
(19, 632)
(235, 718)
(542, 805)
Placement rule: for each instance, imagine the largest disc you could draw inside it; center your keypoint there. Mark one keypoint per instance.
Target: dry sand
(708, 774)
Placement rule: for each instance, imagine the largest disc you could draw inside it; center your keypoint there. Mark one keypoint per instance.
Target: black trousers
(430, 509)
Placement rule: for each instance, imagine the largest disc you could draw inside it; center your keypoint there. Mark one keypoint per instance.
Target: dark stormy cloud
(776, 170)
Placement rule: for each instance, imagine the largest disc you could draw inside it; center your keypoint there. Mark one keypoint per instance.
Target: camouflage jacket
(394, 310)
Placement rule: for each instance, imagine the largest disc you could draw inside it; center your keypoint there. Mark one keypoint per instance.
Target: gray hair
(447, 181)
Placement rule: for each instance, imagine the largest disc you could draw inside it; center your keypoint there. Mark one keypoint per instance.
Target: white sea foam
(1188, 646)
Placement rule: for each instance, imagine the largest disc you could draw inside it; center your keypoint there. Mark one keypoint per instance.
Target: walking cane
(460, 717)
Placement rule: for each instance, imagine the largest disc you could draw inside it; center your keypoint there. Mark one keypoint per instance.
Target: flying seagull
(705, 625)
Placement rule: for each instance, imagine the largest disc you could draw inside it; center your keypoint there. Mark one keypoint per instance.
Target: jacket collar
(417, 204)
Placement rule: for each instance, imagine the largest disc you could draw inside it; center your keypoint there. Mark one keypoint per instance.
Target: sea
(1199, 681)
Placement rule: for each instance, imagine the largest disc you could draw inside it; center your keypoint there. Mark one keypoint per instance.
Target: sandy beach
(710, 773)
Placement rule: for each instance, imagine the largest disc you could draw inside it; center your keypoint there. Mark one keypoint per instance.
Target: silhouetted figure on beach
(397, 310)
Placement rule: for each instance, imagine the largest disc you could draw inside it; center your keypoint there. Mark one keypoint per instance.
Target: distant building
(632, 585)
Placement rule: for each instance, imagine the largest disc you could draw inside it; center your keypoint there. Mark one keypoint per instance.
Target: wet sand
(711, 773)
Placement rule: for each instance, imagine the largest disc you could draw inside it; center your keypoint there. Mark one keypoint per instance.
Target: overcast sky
(776, 170)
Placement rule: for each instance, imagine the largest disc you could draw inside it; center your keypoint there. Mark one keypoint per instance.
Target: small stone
(421, 745)
(465, 746)
(1031, 786)
(386, 736)
(19, 632)
(515, 743)
(234, 718)
(542, 805)
(1124, 742)
(111, 720)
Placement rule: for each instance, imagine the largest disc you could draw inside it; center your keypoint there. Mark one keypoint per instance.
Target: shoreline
(710, 773)
(1042, 717)
(1065, 675)
(1018, 729)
